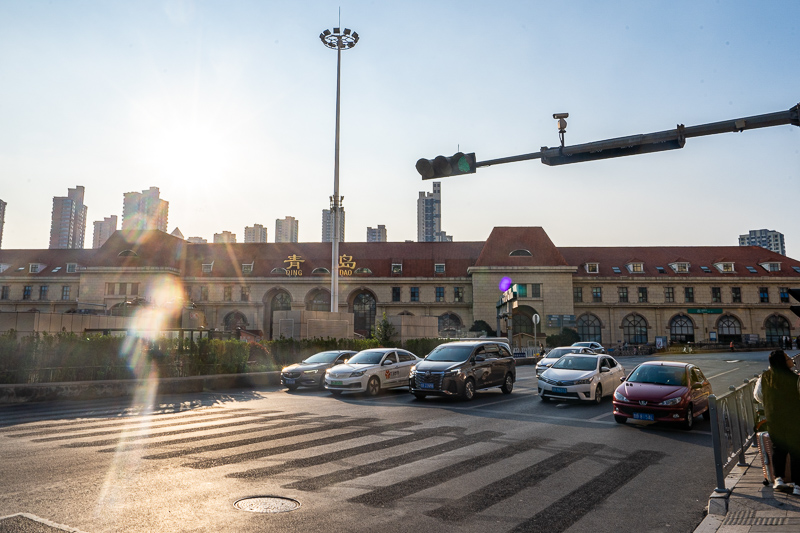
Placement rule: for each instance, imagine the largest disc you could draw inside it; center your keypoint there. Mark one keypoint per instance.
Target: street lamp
(337, 40)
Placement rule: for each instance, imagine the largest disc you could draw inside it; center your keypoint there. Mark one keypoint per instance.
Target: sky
(229, 108)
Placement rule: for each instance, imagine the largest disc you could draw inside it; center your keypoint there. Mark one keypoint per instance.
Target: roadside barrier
(733, 418)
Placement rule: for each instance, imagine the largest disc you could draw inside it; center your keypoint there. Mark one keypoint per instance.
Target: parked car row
(655, 391)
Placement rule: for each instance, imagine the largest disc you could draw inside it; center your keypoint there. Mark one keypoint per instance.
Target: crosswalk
(381, 463)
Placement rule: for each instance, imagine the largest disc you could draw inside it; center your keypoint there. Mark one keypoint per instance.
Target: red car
(663, 391)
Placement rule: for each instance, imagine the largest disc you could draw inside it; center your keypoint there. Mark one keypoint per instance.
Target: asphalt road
(506, 463)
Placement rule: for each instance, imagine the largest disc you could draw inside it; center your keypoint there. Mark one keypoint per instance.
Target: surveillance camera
(560, 115)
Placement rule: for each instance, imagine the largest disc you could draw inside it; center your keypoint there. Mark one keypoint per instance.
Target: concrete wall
(312, 324)
(414, 327)
(28, 323)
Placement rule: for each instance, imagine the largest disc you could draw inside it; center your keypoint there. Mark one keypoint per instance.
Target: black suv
(463, 367)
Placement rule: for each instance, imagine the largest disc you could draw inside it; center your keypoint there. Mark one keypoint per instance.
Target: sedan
(596, 347)
(553, 355)
(586, 377)
(663, 391)
(311, 372)
(371, 371)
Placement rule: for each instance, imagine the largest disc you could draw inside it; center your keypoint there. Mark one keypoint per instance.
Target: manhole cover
(266, 504)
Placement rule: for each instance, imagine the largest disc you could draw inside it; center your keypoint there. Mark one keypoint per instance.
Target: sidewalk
(752, 507)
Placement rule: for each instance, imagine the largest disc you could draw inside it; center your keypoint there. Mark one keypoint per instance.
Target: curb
(718, 502)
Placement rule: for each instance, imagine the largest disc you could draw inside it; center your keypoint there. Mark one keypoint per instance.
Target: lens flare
(505, 284)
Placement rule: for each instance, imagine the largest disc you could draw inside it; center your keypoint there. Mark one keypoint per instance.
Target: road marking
(726, 372)
(604, 415)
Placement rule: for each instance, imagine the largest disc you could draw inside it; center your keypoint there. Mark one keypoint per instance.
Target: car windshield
(558, 352)
(453, 354)
(368, 357)
(322, 357)
(659, 375)
(576, 362)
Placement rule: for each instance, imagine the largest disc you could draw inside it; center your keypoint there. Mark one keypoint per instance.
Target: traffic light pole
(650, 142)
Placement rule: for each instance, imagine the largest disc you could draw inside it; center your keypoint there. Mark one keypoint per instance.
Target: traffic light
(794, 293)
(442, 166)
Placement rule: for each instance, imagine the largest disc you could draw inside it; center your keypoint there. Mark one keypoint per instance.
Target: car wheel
(508, 384)
(419, 395)
(707, 414)
(373, 386)
(689, 422)
(620, 419)
(469, 390)
(598, 394)
(336, 392)
(291, 387)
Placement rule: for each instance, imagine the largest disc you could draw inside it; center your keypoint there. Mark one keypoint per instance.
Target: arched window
(320, 301)
(235, 320)
(776, 328)
(681, 329)
(634, 329)
(522, 323)
(589, 328)
(280, 302)
(729, 329)
(449, 325)
(364, 314)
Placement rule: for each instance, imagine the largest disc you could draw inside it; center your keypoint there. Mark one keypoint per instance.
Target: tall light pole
(337, 40)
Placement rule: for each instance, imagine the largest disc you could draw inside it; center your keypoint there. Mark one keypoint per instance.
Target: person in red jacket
(779, 390)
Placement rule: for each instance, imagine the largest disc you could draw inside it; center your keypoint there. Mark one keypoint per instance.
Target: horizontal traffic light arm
(640, 144)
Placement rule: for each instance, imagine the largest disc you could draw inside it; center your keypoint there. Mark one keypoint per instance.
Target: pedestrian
(778, 389)
(731, 345)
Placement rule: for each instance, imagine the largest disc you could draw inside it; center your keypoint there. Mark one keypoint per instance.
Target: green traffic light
(463, 164)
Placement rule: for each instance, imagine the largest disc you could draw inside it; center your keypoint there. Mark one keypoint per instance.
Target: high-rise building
(196, 240)
(225, 236)
(429, 217)
(145, 210)
(2, 220)
(286, 230)
(770, 239)
(256, 233)
(68, 224)
(376, 234)
(103, 230)
(327, 225)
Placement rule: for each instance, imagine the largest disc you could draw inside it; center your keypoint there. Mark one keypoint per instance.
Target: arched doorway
(681, 329)
(280, 301)
(364, 313)
(235, 320)
(590, 329)
(729, 329)
(319, 300)
(634, 329)
(449, 325)
(776, 327)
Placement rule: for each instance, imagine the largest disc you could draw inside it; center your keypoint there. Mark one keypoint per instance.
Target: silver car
(553, 355)
(596, 347)
(311, 372)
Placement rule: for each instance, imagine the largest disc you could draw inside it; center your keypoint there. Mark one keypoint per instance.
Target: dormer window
(592, 268)
(635, 268)
(363, 270)
(725, 268)
(247, 268)
(616, 270)
(320, 271)
(208, 267)
(72, 268)
(771, 267)
(521, 252)
(438, 268)
(680, 267)
(33, 268)
(278, 270)
(397, 268)
(705, 269)
(4, 267)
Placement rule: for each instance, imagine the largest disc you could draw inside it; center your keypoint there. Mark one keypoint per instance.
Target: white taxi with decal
(371, 371)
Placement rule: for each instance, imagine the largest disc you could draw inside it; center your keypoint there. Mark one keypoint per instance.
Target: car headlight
(413, 370)
(357, 373)
(620, 397)
(451, 373)
(310, 371)
(672, 401)
(584, 381)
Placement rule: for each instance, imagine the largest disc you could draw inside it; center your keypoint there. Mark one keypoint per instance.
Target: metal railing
(733, 418)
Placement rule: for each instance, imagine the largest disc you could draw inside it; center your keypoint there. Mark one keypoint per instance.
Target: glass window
(763, 295)
(5, 292)
(43, 290)
(187, 294)
(204, 294)
(247, 269)
(634, 329)
(688, 295)
(636, 267)
(597, 294)
(135, 289)
(776, 327)
(522, 289)
(592, 268)
(72, 268)
(681, 329)
(320, 301)
(414, 294)
(438, 268)
(395, 294)
(405, 357)
(616, 270)
(123, 288)
(577, 294)
(227, 294)
(110, 288)
(458, 294)
(364, 314)
(207, 268)
(784, 292)
(245, 294)
(397, 268)
(34, 268)
(716, 294)
(589, 328)
(669, 295)
(623, 294)
(26, 292)
(736, 294)
(439, 294)
(449, 324)
(65, 292)
(729, 329)
(642, 294)
(536, 290)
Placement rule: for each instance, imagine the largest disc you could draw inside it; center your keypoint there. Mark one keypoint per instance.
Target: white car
(586, 377)
(553, 355)
(596, 347)
(371, 371)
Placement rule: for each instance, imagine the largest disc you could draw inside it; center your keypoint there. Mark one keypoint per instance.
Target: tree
(483, 326)
(384, 331)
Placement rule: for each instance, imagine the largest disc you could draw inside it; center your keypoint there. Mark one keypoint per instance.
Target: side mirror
(697, 385)
(622, 379)
(605, 369)
(479, 358)
(387, 362)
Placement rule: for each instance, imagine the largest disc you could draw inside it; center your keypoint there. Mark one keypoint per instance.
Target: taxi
(371, 371)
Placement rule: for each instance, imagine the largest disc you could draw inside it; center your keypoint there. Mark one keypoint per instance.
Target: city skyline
(184, 96)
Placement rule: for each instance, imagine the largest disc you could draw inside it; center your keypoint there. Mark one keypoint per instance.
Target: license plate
(336, 382)
(426, 385)
(643, 416)
(288, 381)
(560, 390)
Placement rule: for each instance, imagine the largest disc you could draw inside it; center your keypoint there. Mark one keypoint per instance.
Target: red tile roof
(504, 240)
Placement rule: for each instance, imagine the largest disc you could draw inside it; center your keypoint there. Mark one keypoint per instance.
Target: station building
(613, 295)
